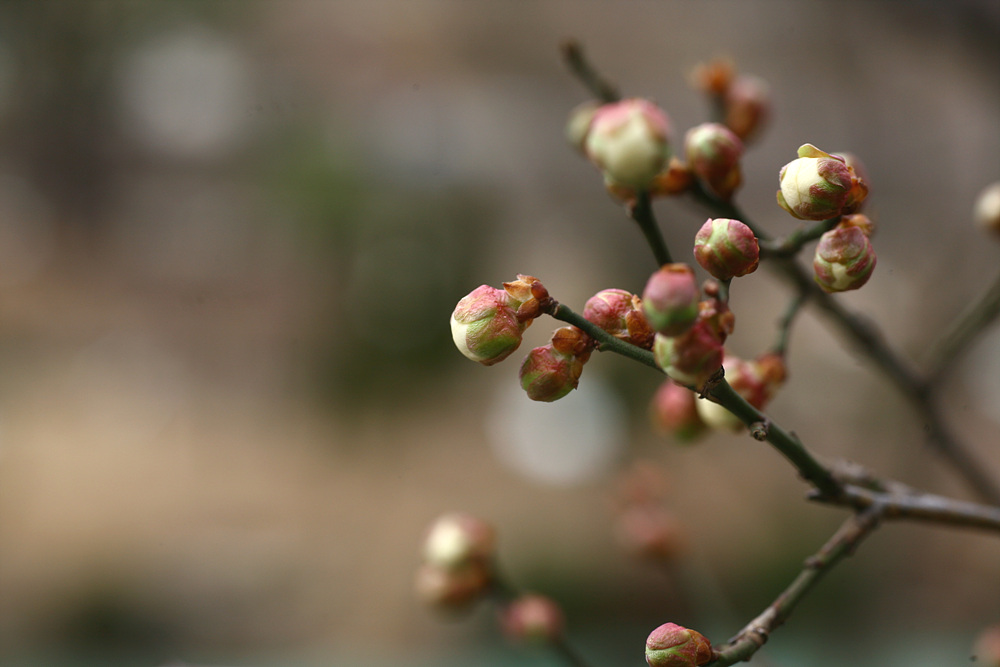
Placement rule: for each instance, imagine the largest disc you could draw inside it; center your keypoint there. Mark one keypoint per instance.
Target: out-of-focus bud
(453, 589)
(726, 248)
(674, 180)
(713, 152)
(670, 299)
(454, 540)
(551, 371)
(987, 208)
(748, 106)
(859, 220)
(629, 142)
(986, 651)
(532, 618)
(620, 314)
(485, 326)
(674, 412)
(816, 185)
(756, 381)
(578, 124)
(844, 259)
(672, 645)
(714, 77)
(650, 532)
(691, 358)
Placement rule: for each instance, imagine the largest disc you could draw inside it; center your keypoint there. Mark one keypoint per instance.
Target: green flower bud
(578, 125)
(672, 645)
(726, 248)
(670, 299)
(816, 185)
(552, 371)
(844, 259)
(485, 325)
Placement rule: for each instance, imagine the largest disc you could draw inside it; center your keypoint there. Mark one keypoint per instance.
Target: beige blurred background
(231, 234)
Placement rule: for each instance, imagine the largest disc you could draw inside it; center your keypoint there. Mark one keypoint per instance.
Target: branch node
(760, 430)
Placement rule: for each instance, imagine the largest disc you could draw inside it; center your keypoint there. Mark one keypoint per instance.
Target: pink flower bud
(532, 618)
(578, 125)
(620, 314)
(457, 539)
(670, 299)
(816, 185)
(713, 153)
(650, 532)
(628, 141)
(756, 381)
(748, 106)
(691, 358)
(859, 181)
(671, 645)
(859, 220)
(485, 326)
(548, 373)
(453, 590)
(987, 208)
(714, 77)
(844, 259)
(673, 180)
(726, 248)
(674, 411)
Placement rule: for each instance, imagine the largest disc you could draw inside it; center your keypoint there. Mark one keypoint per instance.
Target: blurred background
(231, 235)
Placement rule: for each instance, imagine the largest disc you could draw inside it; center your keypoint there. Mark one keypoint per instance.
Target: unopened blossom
(551, 371)
(987, 209)
(670, 299)
(629, 142)
(532, 618)
(713, 153)
(620, 314)
(844, 259)
(672, 645)
(816, 185)
(726, 248)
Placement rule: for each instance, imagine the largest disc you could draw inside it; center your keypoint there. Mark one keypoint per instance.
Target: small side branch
(582, 69)
(605, 341)
(979, 315)
(641, 210)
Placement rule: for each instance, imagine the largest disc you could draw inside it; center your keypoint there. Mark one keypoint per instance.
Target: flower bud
(670, 299)
(816, 185)
(673, 180)
(628, 141)
(691, 358)
(578, 125)
(620, 314)
(532, 618)
(671, 645)
(455, 589)
(844, 259)
(859, 220)
(713, 152)
(650, 532)
(859, 183)
(528, 295)
(987, 208)
(548, 373)
(756, 381)
(455, 540)
(748, 106)
(485, 326)
(726, 248)
(674, 411)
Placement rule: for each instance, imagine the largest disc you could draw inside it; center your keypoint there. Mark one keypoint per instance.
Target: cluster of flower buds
(713, 153)
(820, 186)
(672, 645)
(726, 248)
(644, 525)
(756, 381)
(488, 323)
(744, 101)
(457, 562)
(689, 333)
(674, 412)
(987, 209)
(551, 371)
(532, 618)
(845, 258)
(620, 314)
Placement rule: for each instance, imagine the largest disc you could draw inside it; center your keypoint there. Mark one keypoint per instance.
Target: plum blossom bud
(528, 295)
(859, 188)
(673, 180)
(726, 248)
(650, 532)
(756, 381)
(670, 299)
(485, 326)
(552, 371)
(532, 618)
(579, 124)
(816, 185)
(691, 358)
(713, 152)
(674, 412)
(453, 590)
(748, 106)
(628, 141)
(457, 539)
(859, 220)
(620, 314)
(671, 645)
(986, 651)
(987, 208)
(844, 259)
(714, 77)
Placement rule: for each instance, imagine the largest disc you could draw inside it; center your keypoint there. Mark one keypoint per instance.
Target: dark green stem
(790, 245)
(641, 210)
(785, 323)
(581, 68)
(979, 315)
(605, 341)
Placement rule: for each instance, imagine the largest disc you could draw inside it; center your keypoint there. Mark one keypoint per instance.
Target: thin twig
(581, 68)
(641, 210)
(753, 636)
(605, 341)
(973, 320)
(790, 245)
(785, 323)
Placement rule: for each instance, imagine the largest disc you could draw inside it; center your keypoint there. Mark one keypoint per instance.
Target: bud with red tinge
(670, 299)
(551, 371)
(674, 411)
(713, 152)
(672, 645)
(748, 106)
(457, 567)
(485, 326)
(726, 248)
(844, 259)
(816, 186)
(532, 618)
(578, 125)
(629, 142)
(620, 314)
(987, 209)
